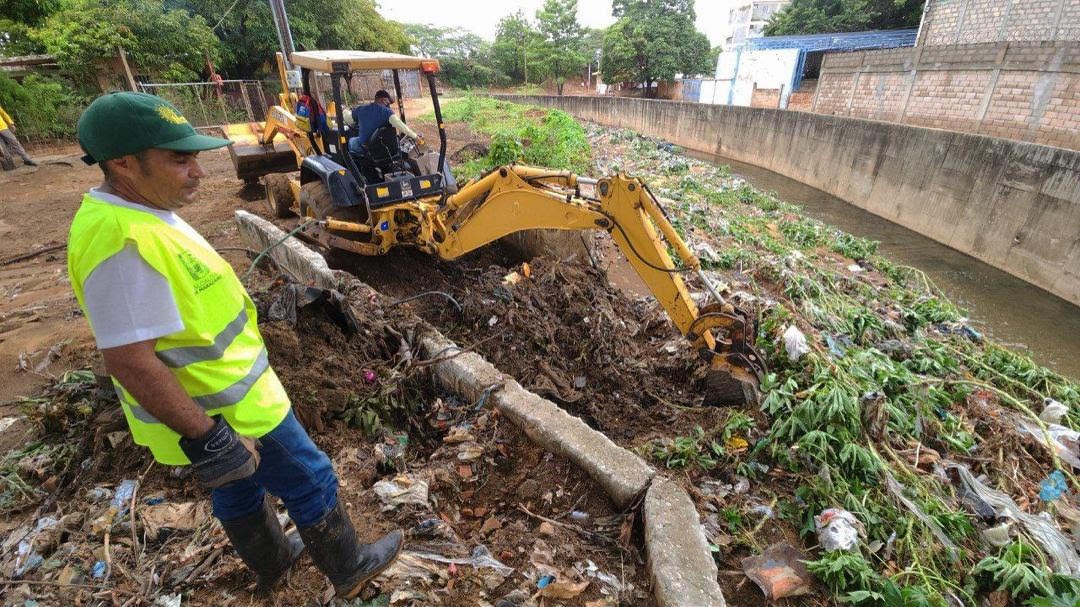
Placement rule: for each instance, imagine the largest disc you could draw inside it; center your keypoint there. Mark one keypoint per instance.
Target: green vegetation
(654, 41)
(465, 60)
(536, 136)
(826, 16)
(893, 371)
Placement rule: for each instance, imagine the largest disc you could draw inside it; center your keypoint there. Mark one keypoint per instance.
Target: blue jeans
(292, 468)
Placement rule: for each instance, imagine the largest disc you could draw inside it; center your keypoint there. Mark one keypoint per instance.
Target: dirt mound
(565, 333)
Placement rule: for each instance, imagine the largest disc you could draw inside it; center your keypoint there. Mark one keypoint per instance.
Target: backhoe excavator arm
(516, 198)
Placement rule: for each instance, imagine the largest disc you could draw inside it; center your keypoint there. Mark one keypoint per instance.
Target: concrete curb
(680, 564)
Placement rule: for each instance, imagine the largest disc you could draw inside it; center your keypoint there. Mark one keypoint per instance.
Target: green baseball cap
(118, 124)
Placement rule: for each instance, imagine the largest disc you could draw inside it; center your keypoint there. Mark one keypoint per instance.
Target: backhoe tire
(315, 201)
(279, 197)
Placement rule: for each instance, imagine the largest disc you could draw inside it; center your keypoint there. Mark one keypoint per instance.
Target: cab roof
(325, 61)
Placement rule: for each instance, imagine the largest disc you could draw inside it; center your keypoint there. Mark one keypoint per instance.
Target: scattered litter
(1052, 411)
(897, 490)
(182, 516)
(742, 485)
(404, 489)
(480, 558)
(470, 452)
(1053, 486)
(610, 582)
(563, 590)
(1064, 441)
(7, 422)
(855, 268)
(579, 517)
(1044, 532)
(99, 569)
(122, 498)
(167, 600)
(998, 536)
(370, 376)
(838, 529)
(779, 571)
(544, 581)
(99, 494)
(795, 343)
(763, 510)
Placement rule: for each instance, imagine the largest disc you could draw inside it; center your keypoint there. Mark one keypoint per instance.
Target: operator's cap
(384, 95)
(118, 124)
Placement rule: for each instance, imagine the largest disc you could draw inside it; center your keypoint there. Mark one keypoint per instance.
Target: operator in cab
(371, 117)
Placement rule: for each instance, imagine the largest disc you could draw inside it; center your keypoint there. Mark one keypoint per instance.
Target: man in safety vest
(181, 342)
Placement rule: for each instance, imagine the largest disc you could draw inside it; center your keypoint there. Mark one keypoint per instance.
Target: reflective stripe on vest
(229, 396)
(183, 356)
(218, 357)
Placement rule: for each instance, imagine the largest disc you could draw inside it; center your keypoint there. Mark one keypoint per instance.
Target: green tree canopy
(558, 47)
(515, 37)
(652, 41)
(249, 40)
(828, 16)
(87, 32)
(466, 60)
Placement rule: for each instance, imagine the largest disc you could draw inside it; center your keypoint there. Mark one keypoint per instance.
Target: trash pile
(491, 519)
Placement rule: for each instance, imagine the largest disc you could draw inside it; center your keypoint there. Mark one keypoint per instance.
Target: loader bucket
(252, 159)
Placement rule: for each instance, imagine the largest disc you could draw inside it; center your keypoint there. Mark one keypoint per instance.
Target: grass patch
(520, 134)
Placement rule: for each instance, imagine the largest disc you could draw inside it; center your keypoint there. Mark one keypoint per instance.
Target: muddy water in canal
(999, 304)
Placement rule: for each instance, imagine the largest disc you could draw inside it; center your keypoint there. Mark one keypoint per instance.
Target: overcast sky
(482, 17)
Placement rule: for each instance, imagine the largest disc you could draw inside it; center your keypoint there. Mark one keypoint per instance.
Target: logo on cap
(170, 115)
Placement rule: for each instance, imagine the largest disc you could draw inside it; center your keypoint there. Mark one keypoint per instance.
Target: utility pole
(281, 24)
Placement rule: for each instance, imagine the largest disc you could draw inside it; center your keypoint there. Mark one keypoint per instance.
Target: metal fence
(210, 104)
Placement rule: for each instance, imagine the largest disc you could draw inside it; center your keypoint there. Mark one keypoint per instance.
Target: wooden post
(127, 70)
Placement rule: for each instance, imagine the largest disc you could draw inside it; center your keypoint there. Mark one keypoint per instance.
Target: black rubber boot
(333, 545)
(263, 545)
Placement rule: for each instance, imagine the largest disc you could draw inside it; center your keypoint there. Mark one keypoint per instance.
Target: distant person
(8, 140)
(373, 116)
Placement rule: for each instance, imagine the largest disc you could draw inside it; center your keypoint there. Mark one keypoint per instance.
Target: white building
(749, 19)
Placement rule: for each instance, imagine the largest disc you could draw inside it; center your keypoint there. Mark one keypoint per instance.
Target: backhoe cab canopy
(348, 61)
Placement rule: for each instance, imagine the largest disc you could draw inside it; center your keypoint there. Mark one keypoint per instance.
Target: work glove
(221, 456)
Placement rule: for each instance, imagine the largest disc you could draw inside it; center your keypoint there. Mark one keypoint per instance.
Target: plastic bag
(795, 343)
(838, 529)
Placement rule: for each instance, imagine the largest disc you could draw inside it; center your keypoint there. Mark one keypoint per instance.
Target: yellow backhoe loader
(397, 195)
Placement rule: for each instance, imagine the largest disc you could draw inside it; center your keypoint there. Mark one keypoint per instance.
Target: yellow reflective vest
(219, 357)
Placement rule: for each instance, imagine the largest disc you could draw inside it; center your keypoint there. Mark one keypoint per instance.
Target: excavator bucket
(253, 159)
(729, 385)
(735, 367)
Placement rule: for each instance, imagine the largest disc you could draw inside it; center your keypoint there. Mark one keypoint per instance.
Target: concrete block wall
(1028, 91)
(802, 99)
(1011, 204)
(948, 22)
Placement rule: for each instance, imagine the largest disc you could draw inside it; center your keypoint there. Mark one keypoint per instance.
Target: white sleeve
(401, 126)
(128, 301)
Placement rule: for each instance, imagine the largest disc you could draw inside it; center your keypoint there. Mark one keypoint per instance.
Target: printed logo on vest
(198, 271)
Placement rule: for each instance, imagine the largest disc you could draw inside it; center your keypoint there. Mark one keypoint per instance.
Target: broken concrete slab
(307, 265)
(680, 564)
(623, 475)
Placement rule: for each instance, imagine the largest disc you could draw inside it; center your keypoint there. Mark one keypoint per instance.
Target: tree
(652, 41)
(249, 39)
(465, 58)
(829, 16)
(87, 32)
(514, 37)
(558, 46)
